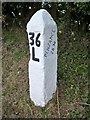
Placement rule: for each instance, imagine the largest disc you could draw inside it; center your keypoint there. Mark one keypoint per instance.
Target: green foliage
(75, 114)
(10, 40)
(72, 61)
(74, 13)
(19, 53)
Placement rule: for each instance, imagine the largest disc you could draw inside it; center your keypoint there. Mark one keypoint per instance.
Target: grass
(72, 76)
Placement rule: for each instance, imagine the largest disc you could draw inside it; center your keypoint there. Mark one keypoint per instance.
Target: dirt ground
(71, 96)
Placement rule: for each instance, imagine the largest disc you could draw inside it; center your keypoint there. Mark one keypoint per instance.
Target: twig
(84, 104)
(30, 109)
(58, 104)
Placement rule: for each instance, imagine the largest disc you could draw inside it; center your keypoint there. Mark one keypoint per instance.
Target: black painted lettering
(54, 43)
(33, 55)
(32, 38)
(45, 55)
(37, 41)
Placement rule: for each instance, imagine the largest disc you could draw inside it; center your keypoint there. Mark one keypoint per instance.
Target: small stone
(18, 72)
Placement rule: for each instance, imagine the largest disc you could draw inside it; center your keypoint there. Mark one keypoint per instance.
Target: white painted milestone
(42, 36)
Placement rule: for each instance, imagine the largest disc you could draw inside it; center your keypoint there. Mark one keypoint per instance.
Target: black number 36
(37, 42)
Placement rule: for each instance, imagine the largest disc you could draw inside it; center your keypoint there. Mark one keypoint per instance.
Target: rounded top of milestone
(41, 18)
